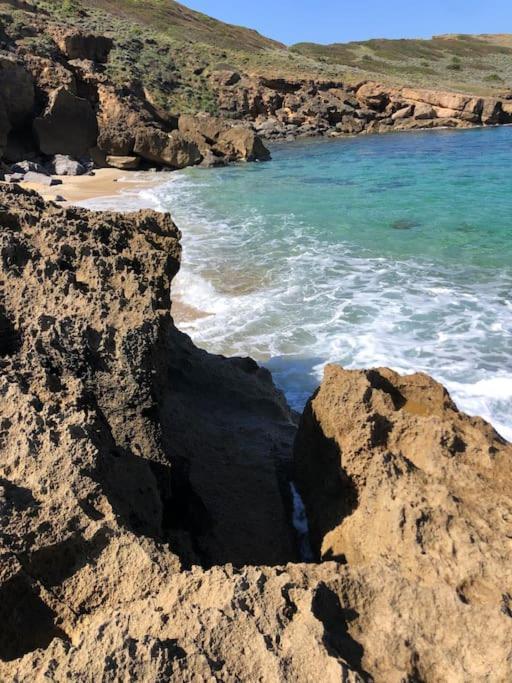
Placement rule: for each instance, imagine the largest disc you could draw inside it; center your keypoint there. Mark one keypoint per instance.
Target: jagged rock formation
(61, 101)
(144, 490)
(284, 108)
(414, 496)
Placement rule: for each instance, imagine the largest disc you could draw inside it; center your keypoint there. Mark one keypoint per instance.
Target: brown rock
(118, 120)
(67, 126)
(17, 91)
(242, 144)
(393, 476)
(5, 128)
(123, 163)
(492, 112)
(76, 44)
(167, 149)
(424, 111)
(403, 113)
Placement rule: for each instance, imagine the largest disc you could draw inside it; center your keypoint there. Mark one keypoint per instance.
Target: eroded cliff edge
(144, 494)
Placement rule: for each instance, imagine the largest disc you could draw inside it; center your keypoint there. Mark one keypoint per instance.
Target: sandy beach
(106, 182)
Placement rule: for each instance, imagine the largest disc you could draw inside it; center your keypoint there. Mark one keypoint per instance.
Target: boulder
(492, 111)
(167, 149)
(16, 92)
(41, 179)
(403, 113)
(437, 99)
(119, 117)
(62, 164)
(394, 476)
(129, 163)
(424, 111)
(68, 125)
(202, 130)
(374, 96)
(242, 144)
(76, 44)
(28, 167)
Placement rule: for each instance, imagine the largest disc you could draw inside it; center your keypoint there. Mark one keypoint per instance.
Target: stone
(403, 113)
(167, 149)
(13, 177)
(5, 128)
(17, 92)
(28, 166)
(62, 164)
(396, 479)
(76, 44)
(492, 112)
(68, 125)
(41, 179)
(128, 163)
(242, 144)
(424, 111)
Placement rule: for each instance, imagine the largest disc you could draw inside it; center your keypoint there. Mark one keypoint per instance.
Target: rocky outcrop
(398, 483)
(67, 126)
(16, 91)
(144, 490)
(281, 108)
(76, 44)
(166, 149)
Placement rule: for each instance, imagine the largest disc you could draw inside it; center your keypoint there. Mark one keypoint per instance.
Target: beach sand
(106, 182)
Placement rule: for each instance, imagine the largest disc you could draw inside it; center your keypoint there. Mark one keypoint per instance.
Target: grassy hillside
(456, 61)
(170, 51)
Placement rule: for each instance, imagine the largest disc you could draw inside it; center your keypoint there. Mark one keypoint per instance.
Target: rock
(119, 118)
(168, 149)
(68, 125)
(374, 96)
(437, 99)
(13, 177)
(76, 44)
(203, 131)
(28, 166)
(62, 164)
(424, 111)
(492, 112)
(41, 179)
(403, 113)
(242, 144)
(226, 77)
(5, 128)
(395, 478)
(17, 92)
(130, 163)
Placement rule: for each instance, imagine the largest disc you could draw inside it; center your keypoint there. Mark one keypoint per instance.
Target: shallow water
(385, 250)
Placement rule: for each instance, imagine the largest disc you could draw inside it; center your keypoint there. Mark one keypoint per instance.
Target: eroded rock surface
(415, 497)
(144, 490)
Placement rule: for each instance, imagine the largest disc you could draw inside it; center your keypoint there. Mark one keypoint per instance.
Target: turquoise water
(381, 250)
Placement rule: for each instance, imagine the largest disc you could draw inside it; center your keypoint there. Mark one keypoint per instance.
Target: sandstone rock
(167, 149)
(424, 111)
(124, 163)
(242, 144)
(394, 477)
(17, 93)
(437, 99)
(119, 118)
(76, 44)
(68, 125)
(403, 113)
(66, 165)
(374, 96)
(492, 111)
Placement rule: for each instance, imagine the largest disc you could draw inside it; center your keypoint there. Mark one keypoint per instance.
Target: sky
(329, 21)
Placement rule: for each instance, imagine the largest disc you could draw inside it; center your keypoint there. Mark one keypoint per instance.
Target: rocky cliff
(281, 108)
(144, 490)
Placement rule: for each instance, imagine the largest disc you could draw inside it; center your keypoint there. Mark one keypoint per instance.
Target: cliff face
(144, 490)
(284, 108)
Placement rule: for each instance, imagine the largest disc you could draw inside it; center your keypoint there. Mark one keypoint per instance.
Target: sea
(382, 250)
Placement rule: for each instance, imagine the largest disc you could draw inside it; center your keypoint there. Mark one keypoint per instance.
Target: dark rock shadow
(336, 620)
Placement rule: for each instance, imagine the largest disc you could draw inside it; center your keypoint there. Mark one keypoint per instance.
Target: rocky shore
(145, 490)
(61, 113)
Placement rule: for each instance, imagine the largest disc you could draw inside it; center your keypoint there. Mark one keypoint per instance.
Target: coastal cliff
(82, 88)
(145, 490)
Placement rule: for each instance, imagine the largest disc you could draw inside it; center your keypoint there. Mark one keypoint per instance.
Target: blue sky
(328, 21)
